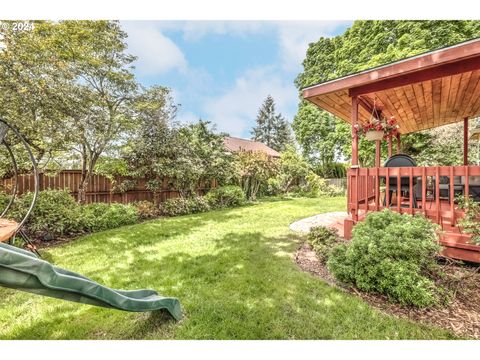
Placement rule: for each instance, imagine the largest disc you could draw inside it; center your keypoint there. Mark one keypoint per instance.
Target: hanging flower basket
(374, 135)
(377, 129)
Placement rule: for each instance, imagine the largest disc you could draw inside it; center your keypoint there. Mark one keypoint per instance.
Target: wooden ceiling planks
(416, 106)
(446, 90)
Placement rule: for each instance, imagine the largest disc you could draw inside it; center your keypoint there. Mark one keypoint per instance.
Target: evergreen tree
(272, 129)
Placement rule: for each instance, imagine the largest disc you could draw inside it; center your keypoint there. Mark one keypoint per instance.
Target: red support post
(354, 131)
(377, 153)
(465, 141)
(399, 144)
(355, 185)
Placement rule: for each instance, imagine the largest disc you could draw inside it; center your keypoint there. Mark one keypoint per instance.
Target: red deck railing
(430, 191)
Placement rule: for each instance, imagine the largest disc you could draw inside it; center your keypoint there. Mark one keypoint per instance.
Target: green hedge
(56, 213)
(100, 216)
(391, 254)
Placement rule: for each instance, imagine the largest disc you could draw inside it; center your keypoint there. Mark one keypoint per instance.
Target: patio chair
(399, 160)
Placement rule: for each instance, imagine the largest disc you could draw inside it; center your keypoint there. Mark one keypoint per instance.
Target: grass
(232, 271)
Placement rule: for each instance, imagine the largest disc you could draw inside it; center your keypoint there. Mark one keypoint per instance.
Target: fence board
(100, 188)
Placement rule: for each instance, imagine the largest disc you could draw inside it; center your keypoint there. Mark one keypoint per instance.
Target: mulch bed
(461, 315)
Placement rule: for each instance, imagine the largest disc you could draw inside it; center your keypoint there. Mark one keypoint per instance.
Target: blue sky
(222, 71)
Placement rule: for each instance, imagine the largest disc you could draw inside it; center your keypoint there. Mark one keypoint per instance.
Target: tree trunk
(88, 164)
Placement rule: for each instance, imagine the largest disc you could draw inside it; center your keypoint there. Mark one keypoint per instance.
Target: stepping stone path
(332, 219)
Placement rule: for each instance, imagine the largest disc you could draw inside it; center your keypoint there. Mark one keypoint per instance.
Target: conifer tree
(271, 129)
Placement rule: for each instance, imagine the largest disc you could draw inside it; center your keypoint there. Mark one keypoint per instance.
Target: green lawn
(232, 271)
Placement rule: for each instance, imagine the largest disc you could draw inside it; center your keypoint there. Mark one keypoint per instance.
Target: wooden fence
(340, 183)
(100, 189)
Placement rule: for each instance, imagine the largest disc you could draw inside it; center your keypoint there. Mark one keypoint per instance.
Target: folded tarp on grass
(22, 270)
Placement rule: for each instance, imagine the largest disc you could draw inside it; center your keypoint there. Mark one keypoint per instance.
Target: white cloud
(235, 110)
(295, 36)
(156, 53)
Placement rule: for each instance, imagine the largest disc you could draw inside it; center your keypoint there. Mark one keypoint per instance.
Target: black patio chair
(399, 160)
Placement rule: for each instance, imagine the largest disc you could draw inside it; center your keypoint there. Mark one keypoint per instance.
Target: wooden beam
(436, 72)
(465, 141)
(354, 131)
(399, 144)
(377, 153)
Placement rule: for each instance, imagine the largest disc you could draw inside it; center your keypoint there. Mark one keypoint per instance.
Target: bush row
(56, 213)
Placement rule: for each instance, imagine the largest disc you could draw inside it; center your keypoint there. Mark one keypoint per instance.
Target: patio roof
(422, 92)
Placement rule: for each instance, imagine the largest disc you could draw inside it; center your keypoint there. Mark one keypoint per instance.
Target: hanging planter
(374, 135)
(377, 129)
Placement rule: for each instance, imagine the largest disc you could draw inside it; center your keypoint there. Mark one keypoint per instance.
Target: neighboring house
(234, 144)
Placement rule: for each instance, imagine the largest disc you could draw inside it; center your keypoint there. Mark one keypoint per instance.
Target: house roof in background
(235, 144)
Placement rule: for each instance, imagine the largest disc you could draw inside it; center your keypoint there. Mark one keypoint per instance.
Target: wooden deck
(7, 229)
(425, 193)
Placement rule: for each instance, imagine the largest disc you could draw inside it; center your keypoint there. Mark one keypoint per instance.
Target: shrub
(4, 200)
(101, 216)
(471, 220)
(322, 239)
(273, 187)
(391, 254)
(198, 204)
(147, 210)
(319, 187)
(226, 196)
(184, 206)
(56, 213)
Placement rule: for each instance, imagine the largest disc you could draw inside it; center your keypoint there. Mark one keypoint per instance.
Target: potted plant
(378, 129)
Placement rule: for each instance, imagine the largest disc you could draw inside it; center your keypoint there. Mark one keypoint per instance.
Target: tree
(364, 45)
(154, 145)
(96, 53)
(162, 149)
(36, 88)
(67, 85)
(255, 168)
(207, 157)
(292, 167)
(272, 129)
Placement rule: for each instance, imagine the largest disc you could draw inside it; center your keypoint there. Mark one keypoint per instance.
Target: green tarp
(22, 270)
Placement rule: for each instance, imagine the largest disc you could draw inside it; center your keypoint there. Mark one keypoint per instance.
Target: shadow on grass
(245, 287)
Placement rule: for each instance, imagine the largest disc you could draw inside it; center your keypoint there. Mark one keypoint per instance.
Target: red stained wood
(465, 141)
(367, 197)
(354, 131)
(377, 153)
(101, 188)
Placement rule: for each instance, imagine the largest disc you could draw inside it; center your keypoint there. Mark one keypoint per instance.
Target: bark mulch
(461, 315)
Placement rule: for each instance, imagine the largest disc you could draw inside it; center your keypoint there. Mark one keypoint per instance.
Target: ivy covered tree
(271, 128)
(364, 45)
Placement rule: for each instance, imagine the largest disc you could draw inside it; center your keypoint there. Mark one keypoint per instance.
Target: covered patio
(423, 92)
